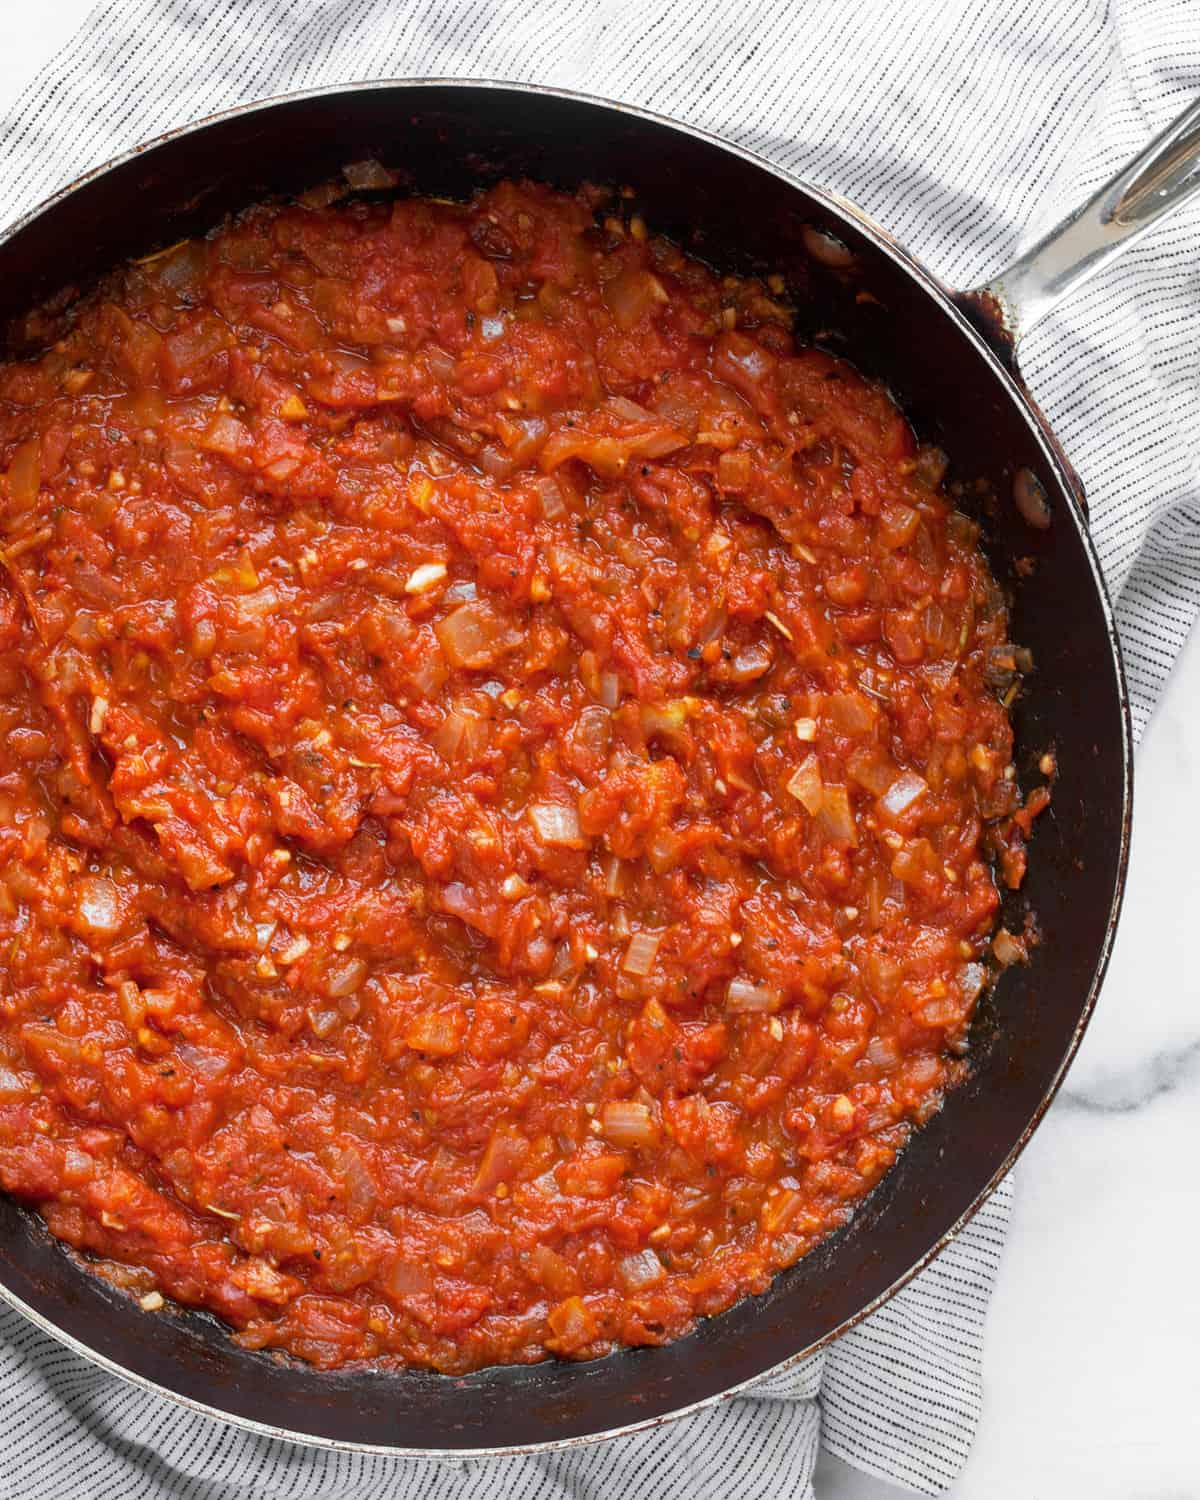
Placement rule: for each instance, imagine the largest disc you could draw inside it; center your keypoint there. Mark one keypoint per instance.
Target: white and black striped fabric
(966, 127)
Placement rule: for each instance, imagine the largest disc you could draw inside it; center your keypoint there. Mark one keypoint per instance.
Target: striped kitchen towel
(964, 126)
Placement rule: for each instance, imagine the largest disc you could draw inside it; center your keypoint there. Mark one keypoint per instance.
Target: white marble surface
(1092, 1369)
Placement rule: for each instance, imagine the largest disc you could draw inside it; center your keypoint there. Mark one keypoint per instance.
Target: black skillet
(949, 360)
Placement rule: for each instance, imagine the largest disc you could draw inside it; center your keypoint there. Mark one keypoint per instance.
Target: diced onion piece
(750, 662)
(903, 793)
(628, 1123)
(224, 434)
(713, 627)
(463, 733)
(25, 474)
(550, 498)
(632, 294)
(609, 689)
(572, 1323)
(257, 604)
(663, 850)
(913, 861)
(506, 1152)
(837, 817)
(851, 713)
(872, 768)
(425, 577)
(641, 1270)
(474, 635)
(664, 718)
(11, 1086)
(922, 1071)
(323, 1023)
(593, 729)
(436, 1032)
(1009, 949)
(941, 1010)
(941, 630)
(99, 906)
(781, 1209)
(557, 825)
(743, 997)
(407, 1278)
(343, 976)
(630, 411)
(641, 953)
(616, 875)
(347, 1167)
(897, 524)
(557, 1275)
(883, 1052)
(806, 785)
(733, 470)
(495, 461)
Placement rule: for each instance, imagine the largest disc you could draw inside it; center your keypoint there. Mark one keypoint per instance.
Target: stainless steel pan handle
(1159, 180)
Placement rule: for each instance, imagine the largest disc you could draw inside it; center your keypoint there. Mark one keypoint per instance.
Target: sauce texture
(502, 767)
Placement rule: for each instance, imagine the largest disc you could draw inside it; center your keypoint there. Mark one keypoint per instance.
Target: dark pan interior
(739, 215)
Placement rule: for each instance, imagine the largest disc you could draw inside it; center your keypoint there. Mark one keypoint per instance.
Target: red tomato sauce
(501, 769)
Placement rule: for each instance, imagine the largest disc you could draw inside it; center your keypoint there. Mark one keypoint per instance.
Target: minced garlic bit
(98, 714)
(842, 1112)
(806, 729)
(424, 578)
(151, 1302)
(775, 1027)
(341, 942)
(779, 625)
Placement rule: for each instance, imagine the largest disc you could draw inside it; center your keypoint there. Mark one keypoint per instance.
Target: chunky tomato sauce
(501, 767)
